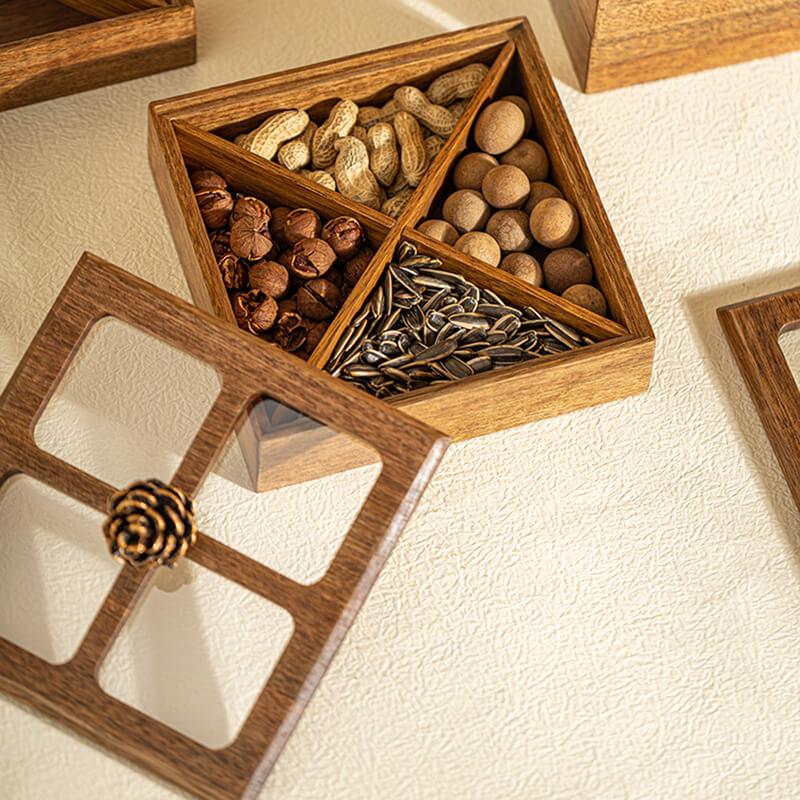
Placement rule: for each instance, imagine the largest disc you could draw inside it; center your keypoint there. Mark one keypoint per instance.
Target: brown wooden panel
(753, 329)
(632, 41)
(86, 53)
(101, 9)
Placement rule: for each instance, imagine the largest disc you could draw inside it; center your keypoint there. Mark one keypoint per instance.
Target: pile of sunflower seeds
(423, 326)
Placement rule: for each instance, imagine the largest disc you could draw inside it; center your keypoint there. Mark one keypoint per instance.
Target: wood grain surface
(192, 130)
(753, 329)
(22, 19)
(50, 50)
(102, 9)
(322, 612)
(616, 43)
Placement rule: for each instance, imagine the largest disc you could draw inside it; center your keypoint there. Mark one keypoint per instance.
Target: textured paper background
(599, 605)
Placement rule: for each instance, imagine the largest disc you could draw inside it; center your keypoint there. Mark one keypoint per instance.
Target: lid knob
(150, 524)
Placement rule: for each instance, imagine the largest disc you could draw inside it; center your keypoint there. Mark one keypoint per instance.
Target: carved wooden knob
(149, 524)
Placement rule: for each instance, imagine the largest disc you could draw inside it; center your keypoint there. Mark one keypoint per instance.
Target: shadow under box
(195, 130)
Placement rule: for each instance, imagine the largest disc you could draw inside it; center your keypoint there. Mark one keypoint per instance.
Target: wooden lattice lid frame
(322, 612)
(753, 329)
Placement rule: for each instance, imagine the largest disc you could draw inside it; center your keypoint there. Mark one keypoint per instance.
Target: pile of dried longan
(501, 209)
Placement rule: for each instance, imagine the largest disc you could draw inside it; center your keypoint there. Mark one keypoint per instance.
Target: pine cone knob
(149, 524)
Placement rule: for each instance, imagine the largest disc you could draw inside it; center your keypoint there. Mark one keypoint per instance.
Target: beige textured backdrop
(603, 605)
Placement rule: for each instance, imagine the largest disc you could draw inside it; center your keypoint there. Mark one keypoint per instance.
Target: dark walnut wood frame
(322, 612)
(195, 129)
(753, 329)
(615, 43)
(50, 49)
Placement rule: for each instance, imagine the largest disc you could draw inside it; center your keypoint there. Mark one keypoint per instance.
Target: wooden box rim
(189, 120)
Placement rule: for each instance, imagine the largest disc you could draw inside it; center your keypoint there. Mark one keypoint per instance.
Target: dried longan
(499, 127)
(510, 229)
(466, 210)
(506, 186)
(554, 222)
(586, 297)
(470, 170)
(530, 157)
(439, 229)
(481, 246)
(566, 267)
(523, 266)
(522, 104)
(540, 190)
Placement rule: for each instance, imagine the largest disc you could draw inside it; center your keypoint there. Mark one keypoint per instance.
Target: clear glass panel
(312, 480)
(789, 343)
(128, 407)
(197, 656)
(55, 570)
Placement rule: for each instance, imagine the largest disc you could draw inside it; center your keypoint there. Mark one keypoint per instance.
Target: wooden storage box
(50, 48)
(616, 43)
(195, 130)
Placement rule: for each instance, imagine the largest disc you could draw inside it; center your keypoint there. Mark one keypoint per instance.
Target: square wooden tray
(616, 43)
(50, 49)
(195, 130)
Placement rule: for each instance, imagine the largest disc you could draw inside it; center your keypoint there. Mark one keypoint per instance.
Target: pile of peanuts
(504, 211)
(374, 155)
(287, 271)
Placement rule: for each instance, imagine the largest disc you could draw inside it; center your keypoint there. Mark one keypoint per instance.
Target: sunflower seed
(451, 308)
(434, 300)
(504, 352)
(508, 323)
(372, 357)
(393, 363)
(360, 371)
(435, 352)
(378, 302)
(424, 326)
(397, 374)
(457, 368)
(493, 310)
(480, 363)
(436, 320)
(429, 282)
(557, 332)
(473, 320)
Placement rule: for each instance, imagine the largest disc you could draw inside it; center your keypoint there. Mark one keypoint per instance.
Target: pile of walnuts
(287, 273)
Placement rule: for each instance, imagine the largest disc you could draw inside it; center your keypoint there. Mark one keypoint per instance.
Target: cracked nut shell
(344, 235)
(254, 311)
(207, 179)
(355, 267)
(277, 223)
(302, 223)
(270, 277)
(249, 207)
(250, 238)
(290, 331)
(311, 258)
(318, 299)
(215, 205)
(233, 273)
